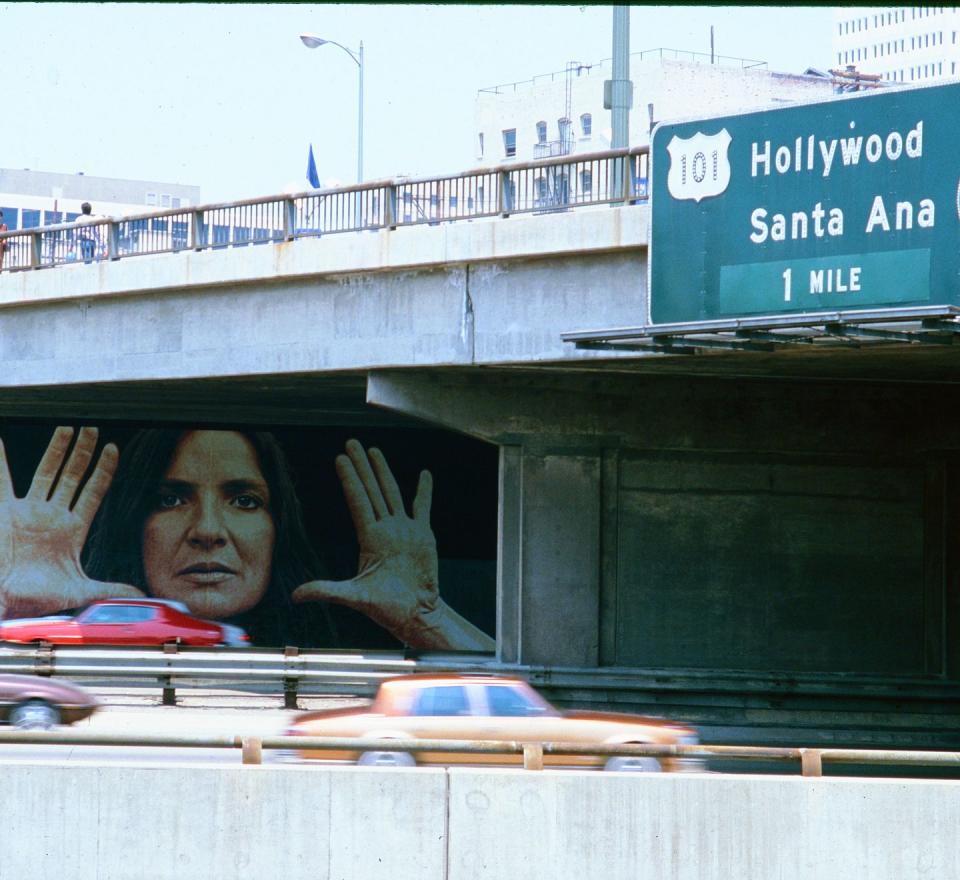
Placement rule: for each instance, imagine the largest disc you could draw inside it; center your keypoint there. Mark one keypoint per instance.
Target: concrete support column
(550, 512)
(559, 564)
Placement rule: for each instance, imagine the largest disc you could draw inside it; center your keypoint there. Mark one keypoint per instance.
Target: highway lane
(202, 713)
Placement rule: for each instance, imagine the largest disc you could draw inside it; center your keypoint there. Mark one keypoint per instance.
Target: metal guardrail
(291, 670)
(359, 673)
(574, 181)
(811, 760)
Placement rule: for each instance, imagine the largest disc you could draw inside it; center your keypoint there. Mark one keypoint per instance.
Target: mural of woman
(211, 518)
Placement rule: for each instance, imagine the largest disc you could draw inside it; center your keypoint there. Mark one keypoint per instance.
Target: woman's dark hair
(114, 548)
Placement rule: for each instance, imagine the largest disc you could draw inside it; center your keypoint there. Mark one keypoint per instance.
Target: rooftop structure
(560, 113)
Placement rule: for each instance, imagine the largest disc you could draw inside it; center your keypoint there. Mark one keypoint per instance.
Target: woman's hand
(42, 534)
(396, 582)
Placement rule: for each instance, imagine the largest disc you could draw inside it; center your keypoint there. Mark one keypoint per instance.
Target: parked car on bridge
(34, 703)
(125, 622)
(487, 707)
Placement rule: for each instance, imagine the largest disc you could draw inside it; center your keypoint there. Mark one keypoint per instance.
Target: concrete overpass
(759, 541)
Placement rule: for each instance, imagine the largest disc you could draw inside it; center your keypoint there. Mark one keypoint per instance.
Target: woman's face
(209, 539)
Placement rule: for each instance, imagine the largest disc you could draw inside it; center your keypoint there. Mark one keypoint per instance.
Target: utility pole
(618, 93)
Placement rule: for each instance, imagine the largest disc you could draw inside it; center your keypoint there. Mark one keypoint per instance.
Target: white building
(562, 113)
(902, 44)
(30, 199)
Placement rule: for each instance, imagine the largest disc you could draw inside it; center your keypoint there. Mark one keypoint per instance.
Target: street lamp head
(311, 41)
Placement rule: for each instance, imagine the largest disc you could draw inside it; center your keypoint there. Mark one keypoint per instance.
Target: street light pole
(312, 41)
(360, 118)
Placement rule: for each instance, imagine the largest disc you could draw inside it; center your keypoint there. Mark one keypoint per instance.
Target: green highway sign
(834, 206)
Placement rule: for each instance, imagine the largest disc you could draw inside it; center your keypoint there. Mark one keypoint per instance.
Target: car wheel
(635, 764)
(386, 759)
(34, 715)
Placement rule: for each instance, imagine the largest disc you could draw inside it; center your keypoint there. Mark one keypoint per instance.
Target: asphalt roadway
(199, 711)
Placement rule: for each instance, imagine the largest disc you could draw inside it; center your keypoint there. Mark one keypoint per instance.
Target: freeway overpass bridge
(748, 527)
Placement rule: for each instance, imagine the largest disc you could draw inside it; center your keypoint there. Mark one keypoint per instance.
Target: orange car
(486, 707)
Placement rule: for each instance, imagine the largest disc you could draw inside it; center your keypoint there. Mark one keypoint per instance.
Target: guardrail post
(290, 693)
(289, 219)
(252, 750)
(198, 232)
(36, 247)
(810, 762)
(290, 683)
(169, 691)
(504, 194)
(532, 756)
(113, 240)
(43, 661)
(390, 207)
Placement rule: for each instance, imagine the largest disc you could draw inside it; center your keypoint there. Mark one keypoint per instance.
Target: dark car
(487, 707)
(34, 703)
(125, 622)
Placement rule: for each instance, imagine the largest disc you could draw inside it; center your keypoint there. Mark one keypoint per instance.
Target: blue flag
(312, 175)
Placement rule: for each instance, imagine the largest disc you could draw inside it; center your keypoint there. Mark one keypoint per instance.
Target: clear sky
(226, 97)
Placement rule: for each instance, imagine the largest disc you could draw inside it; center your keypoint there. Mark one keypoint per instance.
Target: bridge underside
(762, 544)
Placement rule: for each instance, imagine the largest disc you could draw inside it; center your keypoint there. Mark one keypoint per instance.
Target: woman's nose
(207, 528)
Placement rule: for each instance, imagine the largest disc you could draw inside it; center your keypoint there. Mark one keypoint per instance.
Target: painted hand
(42, 534)
(396, 582)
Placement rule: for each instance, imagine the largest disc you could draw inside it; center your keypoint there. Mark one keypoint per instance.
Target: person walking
(87, 235)
(3, 242)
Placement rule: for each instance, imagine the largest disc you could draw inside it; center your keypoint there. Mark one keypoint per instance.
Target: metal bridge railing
(574, 181)
(811, 761)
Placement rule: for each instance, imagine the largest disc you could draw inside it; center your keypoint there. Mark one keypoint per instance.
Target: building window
(480, 143)
(564, 130)
(30, 218)
(509, 142)
(174, 202)
(586, 183)
(10, 217)
(586, 124)
(541, 132)
(152, 199)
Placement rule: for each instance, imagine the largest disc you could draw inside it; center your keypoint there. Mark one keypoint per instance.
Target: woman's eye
(247, 502)
(169, 500)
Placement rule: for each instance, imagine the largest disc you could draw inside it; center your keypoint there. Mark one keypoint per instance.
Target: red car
(125, 622)
(33, 703)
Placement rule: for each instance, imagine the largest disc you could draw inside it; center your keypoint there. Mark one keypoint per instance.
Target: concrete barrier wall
(340, 823)
(700, 827)
(217, 823)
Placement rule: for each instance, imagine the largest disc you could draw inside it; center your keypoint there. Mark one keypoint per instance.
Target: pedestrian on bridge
(88, 236)
(3, 241)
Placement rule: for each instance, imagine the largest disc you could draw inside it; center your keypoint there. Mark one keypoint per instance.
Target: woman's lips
(206, 573)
